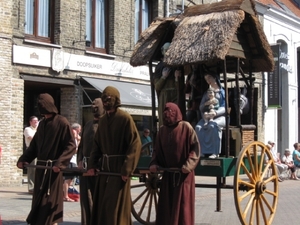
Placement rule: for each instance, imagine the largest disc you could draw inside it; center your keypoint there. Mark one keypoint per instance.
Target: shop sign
(104, 66)
(31, 56)
(274, 86)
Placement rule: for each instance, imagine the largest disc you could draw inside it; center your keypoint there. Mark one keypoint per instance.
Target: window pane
(43, 18)
(29, 15)
(141, 17)
(100, 24)
(89, 20)
(137, 20)
(145, 15)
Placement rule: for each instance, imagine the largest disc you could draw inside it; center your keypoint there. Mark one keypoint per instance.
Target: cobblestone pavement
(15, 204)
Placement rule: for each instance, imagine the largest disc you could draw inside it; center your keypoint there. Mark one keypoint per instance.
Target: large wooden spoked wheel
(255, 185)
(144, 204)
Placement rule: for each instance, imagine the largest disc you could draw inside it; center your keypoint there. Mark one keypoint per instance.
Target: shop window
(97, 24)
(297, 2)
(39, 23)
(142, 17)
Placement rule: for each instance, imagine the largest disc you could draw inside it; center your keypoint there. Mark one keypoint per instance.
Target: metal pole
(226, 110)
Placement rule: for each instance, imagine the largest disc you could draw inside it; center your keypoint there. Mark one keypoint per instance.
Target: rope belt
(85, 160)
(47, 163)
(105, 158)
(174, 178)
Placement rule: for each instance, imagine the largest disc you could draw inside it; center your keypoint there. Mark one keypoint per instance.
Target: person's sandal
(68, 200)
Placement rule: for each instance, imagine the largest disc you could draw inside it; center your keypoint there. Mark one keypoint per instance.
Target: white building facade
(282, 28)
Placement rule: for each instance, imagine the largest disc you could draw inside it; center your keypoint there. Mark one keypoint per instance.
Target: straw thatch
(203, 38)
(149, 41)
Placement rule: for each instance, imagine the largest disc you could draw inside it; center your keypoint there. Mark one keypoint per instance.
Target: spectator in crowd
(296, 155)
(117, 145)
(145, 138)
(68, 180)
(87, 183)
(287, 159)
(281, 167)
(53, 145)
(176, 146)
(29, 132)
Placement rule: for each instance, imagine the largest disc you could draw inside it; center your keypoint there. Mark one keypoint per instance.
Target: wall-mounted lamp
(87, 43)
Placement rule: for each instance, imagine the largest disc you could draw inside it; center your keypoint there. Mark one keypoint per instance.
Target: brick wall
(11, 101)
(69, 27)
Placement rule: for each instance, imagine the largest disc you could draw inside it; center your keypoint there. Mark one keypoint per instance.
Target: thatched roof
(213, 32)
(149, 41)
(203, 38)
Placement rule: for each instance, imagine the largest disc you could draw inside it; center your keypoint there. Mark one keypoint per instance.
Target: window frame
(140, 19)
(92, 46)
(34, 36)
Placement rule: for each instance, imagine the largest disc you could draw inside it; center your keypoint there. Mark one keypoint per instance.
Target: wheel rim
(145, 203)
(255, 195)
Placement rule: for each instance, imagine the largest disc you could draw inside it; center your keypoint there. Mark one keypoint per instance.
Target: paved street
(15, 205)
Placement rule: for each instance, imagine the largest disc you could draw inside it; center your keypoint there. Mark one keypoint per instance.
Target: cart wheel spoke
(255, 197)
(144, 205)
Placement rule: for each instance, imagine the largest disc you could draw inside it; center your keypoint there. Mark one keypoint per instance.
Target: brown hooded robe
(53, 141)
(117, 145)
(176, 146)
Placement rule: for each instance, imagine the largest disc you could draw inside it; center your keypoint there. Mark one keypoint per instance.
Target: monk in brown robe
(87, 183)
(53, 145)
(176, 146)
(116, 149)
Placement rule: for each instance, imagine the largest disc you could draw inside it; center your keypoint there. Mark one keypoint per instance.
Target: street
(15, 204)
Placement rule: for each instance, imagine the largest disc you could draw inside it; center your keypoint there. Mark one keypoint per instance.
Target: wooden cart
(226, 37)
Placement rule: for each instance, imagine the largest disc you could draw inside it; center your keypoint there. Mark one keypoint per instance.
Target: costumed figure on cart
(210, 133)
(166, 84)
(210, 106)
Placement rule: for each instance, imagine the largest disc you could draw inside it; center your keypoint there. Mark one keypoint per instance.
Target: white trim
(42, 43)
(101, 54)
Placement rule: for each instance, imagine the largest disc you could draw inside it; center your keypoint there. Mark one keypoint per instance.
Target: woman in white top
(287, 159)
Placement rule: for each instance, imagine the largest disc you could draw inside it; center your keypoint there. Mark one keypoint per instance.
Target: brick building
(72, 50)
(59, 47)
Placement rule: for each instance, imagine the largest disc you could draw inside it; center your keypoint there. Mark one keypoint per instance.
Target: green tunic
(167, 90)
(117, 145)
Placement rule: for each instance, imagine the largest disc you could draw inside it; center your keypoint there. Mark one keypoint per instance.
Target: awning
(132, 94)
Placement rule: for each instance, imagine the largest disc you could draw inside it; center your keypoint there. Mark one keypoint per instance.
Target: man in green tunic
(53, 145)
(167, 85)
(116, 149)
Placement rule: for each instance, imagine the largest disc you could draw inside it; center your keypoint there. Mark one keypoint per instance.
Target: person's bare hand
(183, 170)
(124, 178)
(153, 168)
(21, 165)
(91, 172)
(55, 169)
